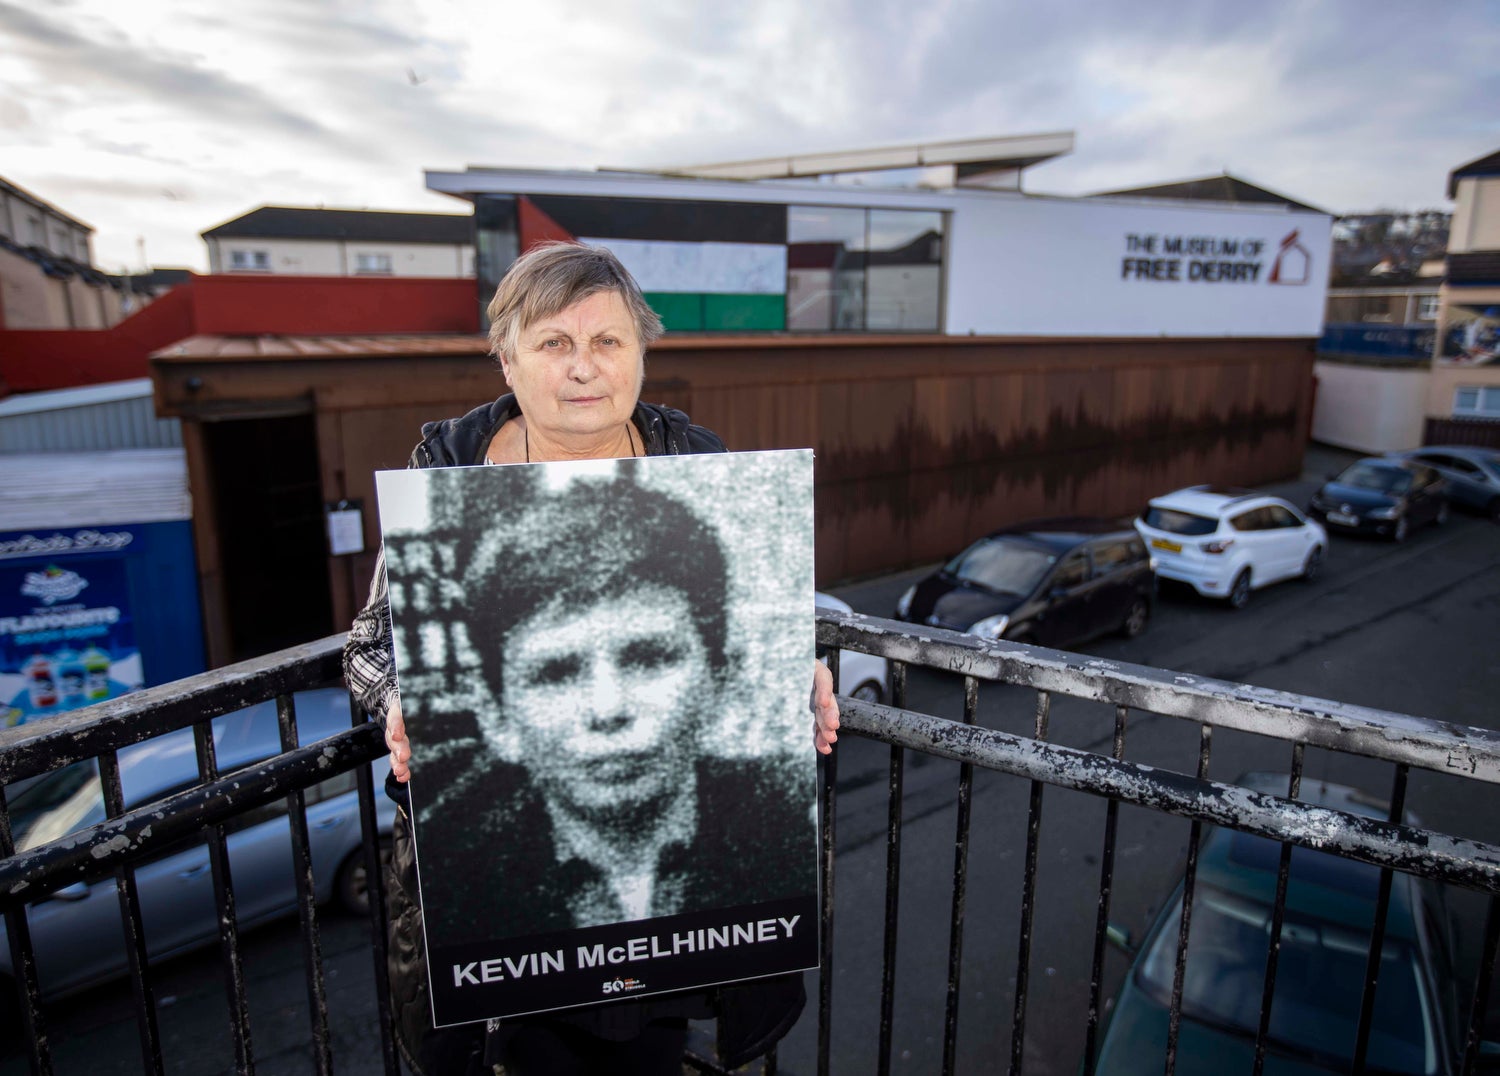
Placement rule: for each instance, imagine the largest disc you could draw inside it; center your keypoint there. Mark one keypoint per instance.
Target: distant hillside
(1387, 246)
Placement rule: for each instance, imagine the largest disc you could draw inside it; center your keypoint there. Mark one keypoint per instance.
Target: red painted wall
(232, 305)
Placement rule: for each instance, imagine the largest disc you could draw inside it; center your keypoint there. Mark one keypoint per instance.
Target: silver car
(1473, 474)
(77, 933)
(861, 676)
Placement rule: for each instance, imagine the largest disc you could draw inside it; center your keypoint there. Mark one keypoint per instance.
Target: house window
(249, 261)
(1427, 309)
(1479, 401)
(372, 263)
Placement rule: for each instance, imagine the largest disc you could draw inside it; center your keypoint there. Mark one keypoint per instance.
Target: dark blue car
(1381, 495)
(1419, 1027)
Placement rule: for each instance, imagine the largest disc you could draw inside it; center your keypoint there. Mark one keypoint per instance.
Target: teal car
(1419, 1023)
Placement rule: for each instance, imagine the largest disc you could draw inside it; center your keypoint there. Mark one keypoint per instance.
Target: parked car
(1225, 543)
(77, 935)
(1472, 474)
(861, 676)
(1052, 582)
(1381, 495)
(1418, 1025)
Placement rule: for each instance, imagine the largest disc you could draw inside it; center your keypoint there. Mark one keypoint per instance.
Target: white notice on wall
(346, 531)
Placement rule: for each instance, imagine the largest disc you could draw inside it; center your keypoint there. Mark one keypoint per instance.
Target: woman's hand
(825, 710)
(395, 739)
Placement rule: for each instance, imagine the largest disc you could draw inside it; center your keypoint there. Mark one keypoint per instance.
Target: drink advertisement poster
(604, 668)
(66, 637)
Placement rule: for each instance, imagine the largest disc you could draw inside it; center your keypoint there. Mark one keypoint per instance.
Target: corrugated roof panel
(90, 427)
(91, 489)
(62, 399)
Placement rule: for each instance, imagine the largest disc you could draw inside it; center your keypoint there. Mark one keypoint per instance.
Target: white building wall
(319, 257)
(1476, 216)
(1052, 267)
(1369, 408)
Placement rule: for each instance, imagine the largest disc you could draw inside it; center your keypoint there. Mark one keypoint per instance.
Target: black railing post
(1189, 891)
(1028, 900)
(829, 805)
(23, 960)
(307, 912)
(1482, 985)
(960, 887)
(1106, 890)
(1377, 935)
(1278, 919)
(895, 780)
(135, 931)
(375, 888)
(229, 935)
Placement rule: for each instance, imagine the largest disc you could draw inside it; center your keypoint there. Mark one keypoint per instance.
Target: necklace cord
(629, 435)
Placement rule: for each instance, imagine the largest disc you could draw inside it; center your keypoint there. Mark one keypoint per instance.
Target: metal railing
(128, 837)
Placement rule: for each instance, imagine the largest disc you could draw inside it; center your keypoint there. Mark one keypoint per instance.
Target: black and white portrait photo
(603, 668)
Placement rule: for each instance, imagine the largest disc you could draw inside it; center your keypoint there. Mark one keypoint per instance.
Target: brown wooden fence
(1479, 432)
(922, 442)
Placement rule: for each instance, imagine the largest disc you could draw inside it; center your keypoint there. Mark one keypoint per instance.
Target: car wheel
(1442, 513)
(1313, 566)
(1493, 509)
(1239, 592)
(1135, 620)
(353, 885)
(1401, 531)
(869, 691)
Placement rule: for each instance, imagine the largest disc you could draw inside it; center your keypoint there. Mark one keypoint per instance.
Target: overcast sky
(163, 118)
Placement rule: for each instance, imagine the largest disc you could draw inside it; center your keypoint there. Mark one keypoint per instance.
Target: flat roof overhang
(970, 156)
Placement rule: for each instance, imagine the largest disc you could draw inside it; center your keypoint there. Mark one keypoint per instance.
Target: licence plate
(1170, 547)
(1343, 520)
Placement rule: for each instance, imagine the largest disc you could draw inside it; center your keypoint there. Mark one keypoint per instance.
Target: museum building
(960, 353)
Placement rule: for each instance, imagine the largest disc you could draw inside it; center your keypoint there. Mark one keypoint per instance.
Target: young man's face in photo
(603, 698)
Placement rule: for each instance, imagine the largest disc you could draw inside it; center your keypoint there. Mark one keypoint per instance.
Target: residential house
(343, 242)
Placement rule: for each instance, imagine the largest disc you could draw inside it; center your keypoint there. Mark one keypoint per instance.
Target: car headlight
(1386, 513)
(903, 606)
(991, 626)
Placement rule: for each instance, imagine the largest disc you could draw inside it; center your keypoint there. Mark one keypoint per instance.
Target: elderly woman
(570, 328)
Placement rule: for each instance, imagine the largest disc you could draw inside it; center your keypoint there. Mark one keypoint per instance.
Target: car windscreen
(60, 803)
(1169, 519)
(1391, 480)
(1004, 564)
(1319, 981)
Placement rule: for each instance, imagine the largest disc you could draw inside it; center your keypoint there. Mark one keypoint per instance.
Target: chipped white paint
(117, 843)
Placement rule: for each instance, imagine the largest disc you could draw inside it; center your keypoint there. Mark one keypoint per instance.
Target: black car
(1387, 496)
(1052, 582)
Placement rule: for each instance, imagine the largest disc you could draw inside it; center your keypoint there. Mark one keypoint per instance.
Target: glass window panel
(1466, 400)
(497, 245)
(903, 287)
(825, 268)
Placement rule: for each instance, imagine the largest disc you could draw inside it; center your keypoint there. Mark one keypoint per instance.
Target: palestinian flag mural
(704, 266)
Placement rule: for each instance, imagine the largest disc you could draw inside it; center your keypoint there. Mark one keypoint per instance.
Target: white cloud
(163, 119)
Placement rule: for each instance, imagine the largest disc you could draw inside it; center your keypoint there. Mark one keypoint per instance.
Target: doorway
(273, 550)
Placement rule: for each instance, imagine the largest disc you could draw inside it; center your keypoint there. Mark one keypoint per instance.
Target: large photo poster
(605, 669)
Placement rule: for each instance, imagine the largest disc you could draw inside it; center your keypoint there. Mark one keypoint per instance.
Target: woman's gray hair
(551, 277)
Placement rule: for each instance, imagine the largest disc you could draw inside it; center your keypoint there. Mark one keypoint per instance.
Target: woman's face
(578, 373)
(602, 700)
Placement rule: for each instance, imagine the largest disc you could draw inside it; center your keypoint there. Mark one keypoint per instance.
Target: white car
(861, 676)
(1227, 542)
